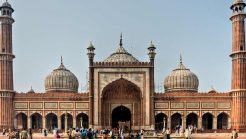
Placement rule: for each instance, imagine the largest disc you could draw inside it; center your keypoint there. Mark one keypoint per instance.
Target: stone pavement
(194, 136)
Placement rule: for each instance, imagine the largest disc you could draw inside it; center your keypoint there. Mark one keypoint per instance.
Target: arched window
(160, 121)
(207, 121)
(222, 121)
(4, 12)
(191, 120)
(176, 120)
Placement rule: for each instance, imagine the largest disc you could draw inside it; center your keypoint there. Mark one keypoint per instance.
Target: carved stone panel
(36, 105)
(161, 105)
(192, 105)
(177, 105)
(136, 78)
(224, 105)
(20, 105)
(50, 105)
(82, 105)
(66, 105)
(208, 105)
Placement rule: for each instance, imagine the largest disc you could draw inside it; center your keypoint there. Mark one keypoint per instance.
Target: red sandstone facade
(121, 90)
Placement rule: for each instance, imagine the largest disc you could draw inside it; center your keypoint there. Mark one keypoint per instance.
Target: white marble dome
(121, 55)
(181, 79)
(61, 80)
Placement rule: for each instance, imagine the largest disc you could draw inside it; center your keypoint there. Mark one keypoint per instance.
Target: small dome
(121, 55)
(237, 1)
(181, 79)
(6, 4)
(31, 91)
(61, 80)
(212, 90)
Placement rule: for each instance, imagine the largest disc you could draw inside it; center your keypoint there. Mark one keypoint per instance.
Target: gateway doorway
(121, 118)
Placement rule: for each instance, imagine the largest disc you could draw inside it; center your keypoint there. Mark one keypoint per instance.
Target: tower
(91, 54)
(152, 54)
(6, 66)
(238, 55)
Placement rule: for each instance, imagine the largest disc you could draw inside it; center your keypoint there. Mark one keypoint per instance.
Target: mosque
(121, 91)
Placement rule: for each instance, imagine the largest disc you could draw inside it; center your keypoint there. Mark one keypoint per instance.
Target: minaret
(91, 54)
(152, 54)
(6, 67)
(238, 55)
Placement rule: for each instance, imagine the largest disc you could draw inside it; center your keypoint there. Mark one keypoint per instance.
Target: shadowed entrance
(191, 120)
(51, 121)
(114, 96)
(160, 121)
(121, 114)
(207, 121)
(21, 121)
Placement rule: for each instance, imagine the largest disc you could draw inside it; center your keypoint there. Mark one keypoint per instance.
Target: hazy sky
(46, 29)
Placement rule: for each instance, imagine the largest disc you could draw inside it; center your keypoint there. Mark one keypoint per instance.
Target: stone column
(66, 117)
(29, 122)
(81, 122)
(199, 124)
(229, 123)
(183, 122)
(74, 122)
(44, 122)
(214, 123)
(59, 122)
(164, 123)
(169, 122)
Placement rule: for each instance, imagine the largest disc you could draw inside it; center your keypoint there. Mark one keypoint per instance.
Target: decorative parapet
(121, 64)
(191, 94)
(45, 96)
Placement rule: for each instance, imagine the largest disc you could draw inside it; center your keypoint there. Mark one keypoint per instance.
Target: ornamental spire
(180, 59)
(121, 44)
(61, 61)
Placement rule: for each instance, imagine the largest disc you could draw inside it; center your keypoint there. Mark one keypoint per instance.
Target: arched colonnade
(206, 122)
(50, 121)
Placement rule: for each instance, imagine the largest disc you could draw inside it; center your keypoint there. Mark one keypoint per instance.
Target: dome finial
(61, 61)
(180, 59)
(121, 40)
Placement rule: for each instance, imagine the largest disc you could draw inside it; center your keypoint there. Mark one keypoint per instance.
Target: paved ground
(194, 136)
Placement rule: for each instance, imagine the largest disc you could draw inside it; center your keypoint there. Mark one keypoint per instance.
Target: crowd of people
(103, 133)
(16, 134)
(83, 133)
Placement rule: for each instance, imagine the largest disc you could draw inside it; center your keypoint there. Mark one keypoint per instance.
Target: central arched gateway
(121, 101)
(121, 116)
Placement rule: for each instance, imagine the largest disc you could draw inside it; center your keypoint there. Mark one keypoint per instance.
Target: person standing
(24, 134)
(30, 133)
(234, 134)
(164, 134)
(142, 134)
(17, 135)
(122, 134)
(187, 133)
(137, 135)
(4, 132)
(168, 133)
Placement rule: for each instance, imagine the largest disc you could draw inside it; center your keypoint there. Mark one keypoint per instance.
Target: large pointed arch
(21, 121)
(36, 121)
(222, 121)
(124, 88)
(192, 120)
(82, 120)
(119, 93)
(160, 121)
(207, 121)
(51, 121)
(176, 120)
